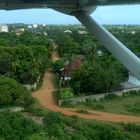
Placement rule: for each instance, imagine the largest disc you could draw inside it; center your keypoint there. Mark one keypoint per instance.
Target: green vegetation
(126, 104)
(27, 60)
(66, 93)
(99, 76)
(134, 108)
(13, 93)
(57, 65)
(13, 126)
(36, 109)
(61, 127)
(25, 64)
(99, 73)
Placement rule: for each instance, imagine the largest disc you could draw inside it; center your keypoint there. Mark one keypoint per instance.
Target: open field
(121, 105)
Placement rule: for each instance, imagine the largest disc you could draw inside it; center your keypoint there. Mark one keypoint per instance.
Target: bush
(110, 97)
(98, 106)
(54, 118)
(111, 133)
(67, 103)
(36, 137)
(57, 65)
(13, 126)
(36, 109)
(131, 127)
(13, 93)
(94, 104)
(66, 93)
(55, 123)
(133, 108)
(131, 94)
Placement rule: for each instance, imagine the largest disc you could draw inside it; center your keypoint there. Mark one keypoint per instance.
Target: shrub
(55, 123)
(131, 94)
(66, 93)
(133, 108)
(13, 93)
(111, 133)
(54, 118)
(57, 65)
(94, 104)
(13, 126)
(110, 97)
(67, 103)
(98, 106)
(131, 127)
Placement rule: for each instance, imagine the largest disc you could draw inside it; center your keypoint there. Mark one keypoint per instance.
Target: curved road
(45, 97)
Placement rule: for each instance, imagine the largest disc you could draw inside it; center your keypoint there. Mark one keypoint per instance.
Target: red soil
(45, 97)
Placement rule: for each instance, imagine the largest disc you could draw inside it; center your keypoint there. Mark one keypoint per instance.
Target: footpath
(45, 96)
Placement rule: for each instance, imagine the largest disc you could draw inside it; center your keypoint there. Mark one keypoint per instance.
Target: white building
(82, 32)
(100, 53)
(67, 31)
(35, 25)
(30, 27)
(4, 28)
(133, 32)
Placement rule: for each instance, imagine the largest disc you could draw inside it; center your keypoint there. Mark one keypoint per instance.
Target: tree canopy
(13, 93)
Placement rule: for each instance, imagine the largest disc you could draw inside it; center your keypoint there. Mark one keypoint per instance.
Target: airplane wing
(71, 4)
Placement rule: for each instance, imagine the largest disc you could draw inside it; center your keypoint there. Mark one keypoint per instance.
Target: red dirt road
(45, 97)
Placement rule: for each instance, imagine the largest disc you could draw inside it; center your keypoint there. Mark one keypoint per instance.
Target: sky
(104, 15)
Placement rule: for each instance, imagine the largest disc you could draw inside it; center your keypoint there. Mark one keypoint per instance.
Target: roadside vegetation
(57, 126)
(128, 103)
(14, 94)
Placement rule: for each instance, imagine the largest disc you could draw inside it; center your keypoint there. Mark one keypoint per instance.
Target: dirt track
(45, 97)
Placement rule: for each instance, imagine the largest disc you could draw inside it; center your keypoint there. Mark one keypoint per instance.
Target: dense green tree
(24, 63)
(97, 76)
(13, 93)
(57, 65)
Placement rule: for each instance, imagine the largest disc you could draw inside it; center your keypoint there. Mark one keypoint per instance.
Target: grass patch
(133, 108)
(110, 97)
(128, 104)
(94, 104)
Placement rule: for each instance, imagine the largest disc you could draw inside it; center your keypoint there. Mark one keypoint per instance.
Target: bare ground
(45, 97)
